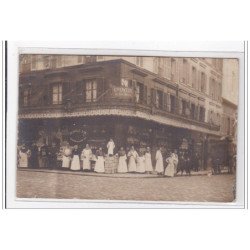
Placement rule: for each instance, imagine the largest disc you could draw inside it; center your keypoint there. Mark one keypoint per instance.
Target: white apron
(99, 165)
(140, 167)
(86, 154)
(122, 165)
(159, 162)
(132, 161)
(75, 164)
(148, 162)
(170, 169)
(65, 161)
(23, 160)
(111, 147)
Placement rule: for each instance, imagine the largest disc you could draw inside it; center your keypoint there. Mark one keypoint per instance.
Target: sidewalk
(115, 175)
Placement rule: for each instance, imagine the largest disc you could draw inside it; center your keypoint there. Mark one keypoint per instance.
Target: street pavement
(198, 187)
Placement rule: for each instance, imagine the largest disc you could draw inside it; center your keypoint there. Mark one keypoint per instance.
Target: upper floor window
(26, 97)
(202, 114)
(33, 62)
(139, 61)
(185, 71)
(212, 88)
(159, 99)
(173, 69)
(53, 62)
(192, 111)
(172, 103)
(139, 92)
(57, 93)
(46, 62)
(194, 76)
(203, 82)
(91, 91)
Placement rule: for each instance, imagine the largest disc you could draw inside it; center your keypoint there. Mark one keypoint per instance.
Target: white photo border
(175, 49)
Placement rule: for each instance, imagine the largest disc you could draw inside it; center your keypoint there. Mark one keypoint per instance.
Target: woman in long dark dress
(33, 160)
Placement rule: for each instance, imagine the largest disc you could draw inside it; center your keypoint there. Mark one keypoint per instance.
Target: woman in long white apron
(66, 157)
(170, 169)
(148, 161)
(23, 157)
(75, 164)
(159, 162)
(86, 156)
(122, 164)
(111, 147)
(140, 166)
(132, 155)
(99, 165)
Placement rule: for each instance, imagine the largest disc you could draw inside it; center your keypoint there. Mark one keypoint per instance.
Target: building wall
(230, 90)
(201, 76)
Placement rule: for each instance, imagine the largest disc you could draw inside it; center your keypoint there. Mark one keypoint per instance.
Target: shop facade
(94, 102)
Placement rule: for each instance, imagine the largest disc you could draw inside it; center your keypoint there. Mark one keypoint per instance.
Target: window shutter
(50, 96)
(165, 101)
(20, 96)
(153, 96)
(199, 81)
(66, 91)
(84, 91)
(198, 113)
(79, 92)
(145, 93)
(168, 102)
(180, 106)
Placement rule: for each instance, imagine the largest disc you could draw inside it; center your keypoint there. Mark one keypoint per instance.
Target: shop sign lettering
(122, 92)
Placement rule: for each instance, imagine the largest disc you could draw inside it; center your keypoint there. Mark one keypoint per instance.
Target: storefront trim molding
(124, 113)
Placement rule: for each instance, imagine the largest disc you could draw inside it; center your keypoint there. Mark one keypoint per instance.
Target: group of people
(129, 160)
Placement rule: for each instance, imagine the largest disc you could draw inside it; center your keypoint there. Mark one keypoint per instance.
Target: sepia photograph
(127, 128)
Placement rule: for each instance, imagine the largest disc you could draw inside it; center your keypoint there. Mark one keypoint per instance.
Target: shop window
(159, 99)
(57, 93)
(91, 91)
(26, 97)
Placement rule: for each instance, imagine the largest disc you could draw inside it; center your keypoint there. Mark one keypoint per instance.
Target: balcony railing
(117, 104)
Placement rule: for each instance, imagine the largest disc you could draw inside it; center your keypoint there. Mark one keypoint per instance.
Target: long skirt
(99, 165)
(140, 167)
(23, 161)
(159, 166)
(148, 165)
(65, 162)
(75, 164)
(170, 170)
(131, 164)
(43, 162)
(122, 165)
(86, 164)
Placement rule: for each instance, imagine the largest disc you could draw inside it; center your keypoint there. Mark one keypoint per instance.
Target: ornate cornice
(118, 112)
